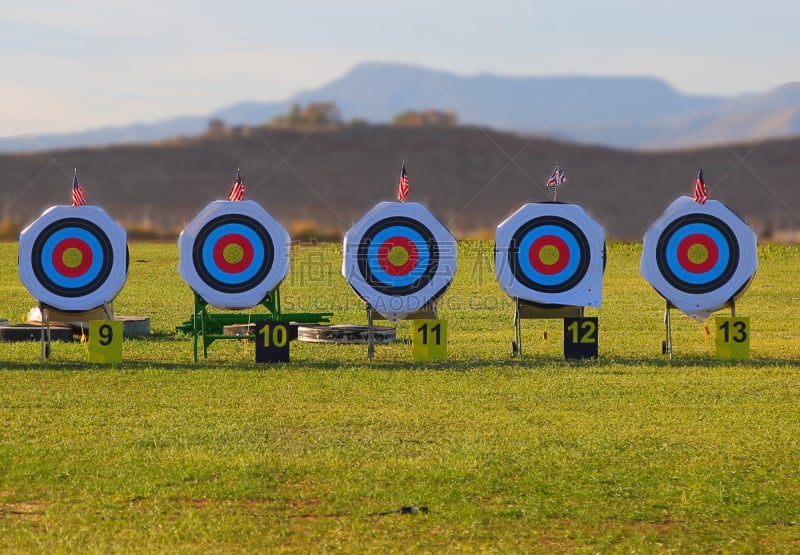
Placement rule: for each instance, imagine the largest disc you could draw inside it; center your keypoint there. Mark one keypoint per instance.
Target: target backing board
(399, 258)
(551, 253)
(233, 253)
(73, 258)
(699, 256)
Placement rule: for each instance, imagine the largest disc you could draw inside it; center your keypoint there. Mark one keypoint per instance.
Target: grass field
(629, 453)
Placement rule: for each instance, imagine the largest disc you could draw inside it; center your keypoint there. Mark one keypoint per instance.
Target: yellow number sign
(733, 337)
(105, 341)
(429, 340)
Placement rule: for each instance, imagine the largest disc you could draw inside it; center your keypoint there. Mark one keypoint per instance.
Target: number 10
(278, 337)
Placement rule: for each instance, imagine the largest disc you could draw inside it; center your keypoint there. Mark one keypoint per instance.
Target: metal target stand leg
(45, 343)
(668, 323)
(370, 334)
(516, 347)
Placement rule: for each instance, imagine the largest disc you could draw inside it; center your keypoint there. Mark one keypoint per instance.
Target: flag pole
(558, 179)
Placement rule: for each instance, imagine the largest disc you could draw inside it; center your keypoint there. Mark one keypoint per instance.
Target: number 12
(588, 328)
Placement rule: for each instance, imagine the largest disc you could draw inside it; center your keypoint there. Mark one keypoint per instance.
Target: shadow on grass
(611, 365)
(357, 360)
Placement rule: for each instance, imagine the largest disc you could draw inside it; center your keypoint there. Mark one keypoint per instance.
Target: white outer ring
(700, 306)
(588, 291)
(119, 250)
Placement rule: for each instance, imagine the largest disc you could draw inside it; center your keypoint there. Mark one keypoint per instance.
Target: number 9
(106, 333)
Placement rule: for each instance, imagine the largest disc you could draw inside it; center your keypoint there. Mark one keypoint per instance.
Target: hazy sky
(80, 64)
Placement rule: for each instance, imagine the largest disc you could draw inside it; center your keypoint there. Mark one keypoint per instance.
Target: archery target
(233, 254)
(699, 256)
(398, 258)
(73, 258)
(551, 253)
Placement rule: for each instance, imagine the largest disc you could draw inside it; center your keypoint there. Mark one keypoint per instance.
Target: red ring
(683, 253)
(558, 265)
(86, 257)
(388, 245)
(219, 253)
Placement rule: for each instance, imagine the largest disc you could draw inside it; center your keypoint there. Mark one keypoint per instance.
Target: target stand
(550, 258)
(50, 314)
(428, 312)
(700, 258)
(526, 310)
(74, 261)
(234, 255)
(399, 259)
(666, 345)
(210, 326)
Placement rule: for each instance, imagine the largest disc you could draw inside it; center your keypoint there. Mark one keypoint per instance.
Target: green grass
(629, 453)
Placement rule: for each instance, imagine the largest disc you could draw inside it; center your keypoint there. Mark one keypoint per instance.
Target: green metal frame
(210, 325)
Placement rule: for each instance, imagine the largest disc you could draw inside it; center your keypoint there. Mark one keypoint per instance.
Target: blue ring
(380, 238)
(218, 273)
(538, 277)
(671, 253)
(58, 278)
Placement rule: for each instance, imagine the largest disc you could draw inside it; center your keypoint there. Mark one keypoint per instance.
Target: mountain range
(642, 113)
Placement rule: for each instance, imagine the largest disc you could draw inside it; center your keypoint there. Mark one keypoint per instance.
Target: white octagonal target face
(73, 258)
(399, 258)
(551, 253)
(233, 254)
(699, 256)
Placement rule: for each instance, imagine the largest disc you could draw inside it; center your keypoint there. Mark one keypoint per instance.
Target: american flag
(237, 191)
(556, 179)
(700, 193)
(78, 194)
(402, 186)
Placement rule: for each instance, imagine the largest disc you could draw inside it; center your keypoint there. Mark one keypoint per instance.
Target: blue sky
(67, 66)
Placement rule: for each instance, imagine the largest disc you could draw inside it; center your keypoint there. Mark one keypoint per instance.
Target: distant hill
(470, 177)
(775, 114)
(626, 112)
(377, 92)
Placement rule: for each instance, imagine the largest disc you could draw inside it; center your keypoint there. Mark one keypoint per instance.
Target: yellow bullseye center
(549, 255)
(697, 253)
(72, 257)
(233, 253)
(397, 256)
